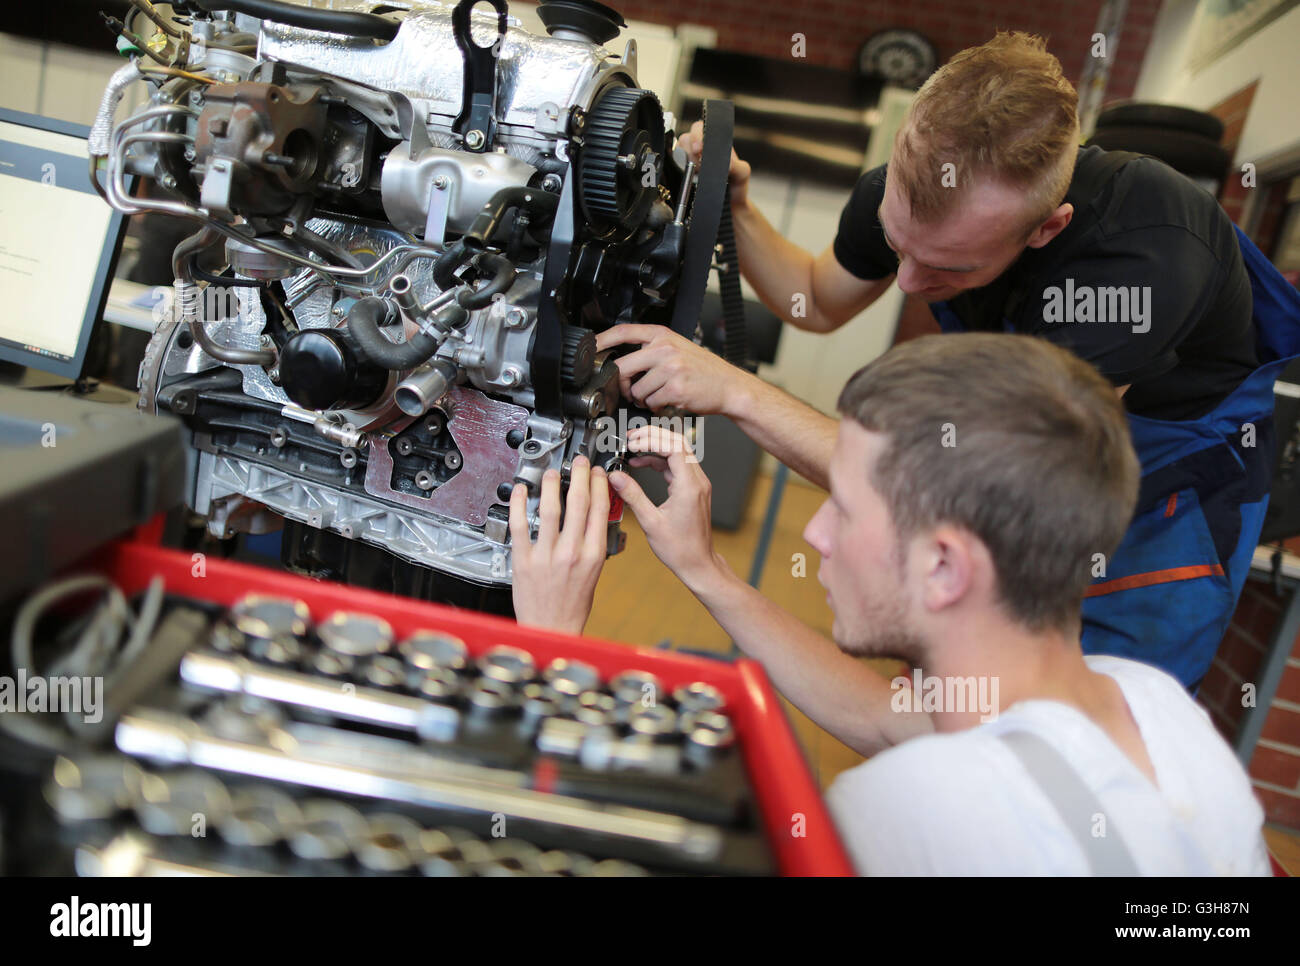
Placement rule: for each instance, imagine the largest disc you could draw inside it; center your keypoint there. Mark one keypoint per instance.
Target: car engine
(411, 220)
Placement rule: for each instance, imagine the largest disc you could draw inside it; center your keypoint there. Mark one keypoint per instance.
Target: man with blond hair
(990, 211)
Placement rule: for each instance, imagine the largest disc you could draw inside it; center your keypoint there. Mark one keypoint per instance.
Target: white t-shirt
(963, 804)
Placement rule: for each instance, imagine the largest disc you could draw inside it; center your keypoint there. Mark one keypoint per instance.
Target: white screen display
(52, 233)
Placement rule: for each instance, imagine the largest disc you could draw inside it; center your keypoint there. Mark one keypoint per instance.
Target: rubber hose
(502, 279)
(364, 320)
(338, 22)
(447, 263)
(486, 222)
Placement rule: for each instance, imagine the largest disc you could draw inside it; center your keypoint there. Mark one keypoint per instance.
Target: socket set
(133, 821)
(292, 706)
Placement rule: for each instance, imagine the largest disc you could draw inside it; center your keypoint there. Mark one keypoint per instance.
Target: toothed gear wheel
(149, 377)
(579, 360)
(626, 122)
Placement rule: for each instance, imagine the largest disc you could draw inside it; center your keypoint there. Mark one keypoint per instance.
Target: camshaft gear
(623, 142)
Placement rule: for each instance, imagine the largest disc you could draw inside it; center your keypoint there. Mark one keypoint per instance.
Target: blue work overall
(1167, 593)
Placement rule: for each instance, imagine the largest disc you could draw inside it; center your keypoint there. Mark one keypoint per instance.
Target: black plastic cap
(591, 19)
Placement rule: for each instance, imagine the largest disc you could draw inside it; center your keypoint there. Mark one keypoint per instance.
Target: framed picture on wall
(1223, 24)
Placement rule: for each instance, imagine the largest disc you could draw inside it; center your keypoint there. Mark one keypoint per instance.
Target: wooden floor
(640, 602)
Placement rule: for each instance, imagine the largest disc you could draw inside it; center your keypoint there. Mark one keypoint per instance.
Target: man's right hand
(692, 142)
(679, 530)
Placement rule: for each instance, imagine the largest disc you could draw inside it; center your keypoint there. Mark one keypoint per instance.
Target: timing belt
(548, 340)
(735, 346)
(711, 223)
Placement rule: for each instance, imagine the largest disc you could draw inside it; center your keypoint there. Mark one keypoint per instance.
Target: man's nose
(814, 533)
(911, 278)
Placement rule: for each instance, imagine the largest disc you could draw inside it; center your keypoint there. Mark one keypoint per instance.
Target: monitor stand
(25, 377)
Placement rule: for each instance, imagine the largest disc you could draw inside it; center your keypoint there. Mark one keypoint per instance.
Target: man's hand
(671, 370)
(692, 142)
(555, 578)
(679, 531)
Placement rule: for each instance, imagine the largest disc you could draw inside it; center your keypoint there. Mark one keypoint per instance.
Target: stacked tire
(1185, 139)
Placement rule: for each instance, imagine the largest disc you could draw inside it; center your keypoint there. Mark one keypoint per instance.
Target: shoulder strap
(1073, 800)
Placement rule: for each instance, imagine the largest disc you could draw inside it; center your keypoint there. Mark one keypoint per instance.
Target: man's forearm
(839, 693)
(798, 435)
(777, 268)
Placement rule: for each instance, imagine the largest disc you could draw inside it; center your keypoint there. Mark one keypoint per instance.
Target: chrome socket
(327, 830)
(172, 804)
(699, 696)
(259, 817)
(640, 688)
(92, 787)
(571, 677)
(655, 724)
(356, 636)
(390, 843)
(425, 650)
(510, 665)
(435, 684)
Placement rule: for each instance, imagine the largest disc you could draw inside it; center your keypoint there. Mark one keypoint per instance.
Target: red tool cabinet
(797, 824)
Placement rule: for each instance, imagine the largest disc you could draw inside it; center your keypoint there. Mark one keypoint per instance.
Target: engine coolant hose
(503, 276)
(534, 200)
(312, 18)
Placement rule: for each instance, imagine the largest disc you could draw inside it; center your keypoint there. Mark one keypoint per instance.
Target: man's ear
(946, 562)
(1053, 226)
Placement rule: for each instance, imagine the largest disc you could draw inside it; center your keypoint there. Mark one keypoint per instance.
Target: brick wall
(835, 29)
(1275, 765)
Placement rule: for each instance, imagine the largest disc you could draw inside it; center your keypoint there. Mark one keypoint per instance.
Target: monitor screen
(58, 243)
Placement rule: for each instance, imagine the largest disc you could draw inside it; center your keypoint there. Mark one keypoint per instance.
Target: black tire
(1166, 116)
(1191, 154)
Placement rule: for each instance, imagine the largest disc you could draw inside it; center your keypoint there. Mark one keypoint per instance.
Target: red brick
(1267, 617)
(1262, 592)
(1214, 686)
(1282, 725)
(1247, 608)
(1232, 712)
(1279, 807)
(1276, 767)
(1288, 689)
(1240, 654)
(950, 29)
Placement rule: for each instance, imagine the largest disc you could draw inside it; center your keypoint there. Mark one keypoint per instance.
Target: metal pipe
(419, 391)
(187, 299)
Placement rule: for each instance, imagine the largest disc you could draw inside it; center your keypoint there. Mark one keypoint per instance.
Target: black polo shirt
(1146, 283)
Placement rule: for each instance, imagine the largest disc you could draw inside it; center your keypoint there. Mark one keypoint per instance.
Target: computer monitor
(59, 241)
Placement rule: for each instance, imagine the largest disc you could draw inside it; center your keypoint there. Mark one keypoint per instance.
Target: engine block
(410, 226)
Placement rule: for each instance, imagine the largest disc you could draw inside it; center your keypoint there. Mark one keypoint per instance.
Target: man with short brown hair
(990, 212)
(1008, 751)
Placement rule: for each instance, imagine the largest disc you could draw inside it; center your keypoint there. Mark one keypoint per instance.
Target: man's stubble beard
(885, 633)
